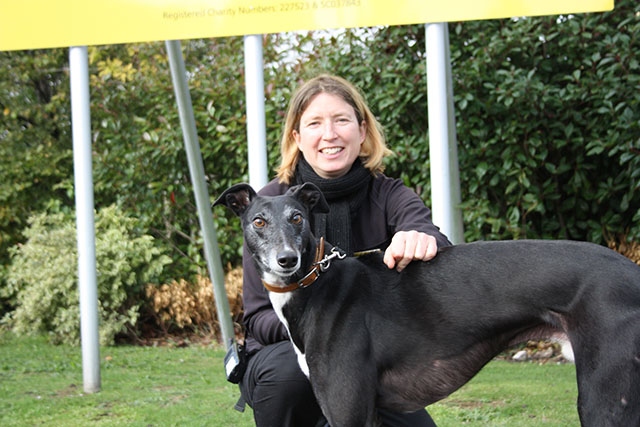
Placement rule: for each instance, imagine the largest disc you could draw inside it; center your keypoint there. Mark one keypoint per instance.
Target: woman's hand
(407, 246)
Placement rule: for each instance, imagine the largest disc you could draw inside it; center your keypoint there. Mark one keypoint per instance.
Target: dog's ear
(311, 196)
(236, 198)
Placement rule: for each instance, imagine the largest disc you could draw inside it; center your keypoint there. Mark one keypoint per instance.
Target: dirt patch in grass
(70, 391)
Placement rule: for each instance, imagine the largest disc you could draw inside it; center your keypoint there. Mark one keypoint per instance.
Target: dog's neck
(308, 279)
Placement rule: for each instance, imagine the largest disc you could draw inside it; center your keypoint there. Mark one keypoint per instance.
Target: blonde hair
(372, 151)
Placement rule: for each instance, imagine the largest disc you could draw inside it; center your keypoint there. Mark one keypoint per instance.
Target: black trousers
(281, 395)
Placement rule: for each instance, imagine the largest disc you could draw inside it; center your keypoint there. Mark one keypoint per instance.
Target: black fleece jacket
(391, 207)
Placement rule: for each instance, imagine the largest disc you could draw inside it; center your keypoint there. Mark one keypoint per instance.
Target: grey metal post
(203, 203)
(85, 224)
(445, 174)
(256, 127)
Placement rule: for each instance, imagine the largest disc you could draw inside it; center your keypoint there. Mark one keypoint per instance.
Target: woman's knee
(274, 369)
(277, 390)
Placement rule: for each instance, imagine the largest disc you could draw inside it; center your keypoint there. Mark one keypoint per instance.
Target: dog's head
(277, 229)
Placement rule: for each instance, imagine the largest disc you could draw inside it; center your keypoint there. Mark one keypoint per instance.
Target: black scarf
(344, 195)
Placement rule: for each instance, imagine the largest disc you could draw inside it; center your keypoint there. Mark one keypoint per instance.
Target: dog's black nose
(287, 259)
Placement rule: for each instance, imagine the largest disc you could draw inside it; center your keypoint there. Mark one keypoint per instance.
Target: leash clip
(325, 262)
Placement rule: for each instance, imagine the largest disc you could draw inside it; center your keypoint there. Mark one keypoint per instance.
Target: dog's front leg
(347, 400)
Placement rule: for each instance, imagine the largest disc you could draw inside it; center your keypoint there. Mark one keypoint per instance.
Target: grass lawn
(41, 385)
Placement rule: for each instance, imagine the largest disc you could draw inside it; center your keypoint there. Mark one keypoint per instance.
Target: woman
(332, 139)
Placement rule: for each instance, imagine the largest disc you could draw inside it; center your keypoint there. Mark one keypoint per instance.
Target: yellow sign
(36, 24)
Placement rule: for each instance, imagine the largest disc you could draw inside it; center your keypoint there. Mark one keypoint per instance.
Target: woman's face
(330, 135)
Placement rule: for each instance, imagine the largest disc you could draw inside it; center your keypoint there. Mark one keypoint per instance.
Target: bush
(548, 125)
(42, 279)
(182, 307)
(622, 245)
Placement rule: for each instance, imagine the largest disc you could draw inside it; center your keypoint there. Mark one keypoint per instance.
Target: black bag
(235, 362)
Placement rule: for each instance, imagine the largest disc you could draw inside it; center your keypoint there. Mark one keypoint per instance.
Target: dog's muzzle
(320, 264)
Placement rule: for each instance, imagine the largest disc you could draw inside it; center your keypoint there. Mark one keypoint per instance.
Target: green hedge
(548, 114)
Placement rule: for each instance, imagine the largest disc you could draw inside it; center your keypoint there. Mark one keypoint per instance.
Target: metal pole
(445, 174)
(85, 224)
(203, 204)
(256, 127)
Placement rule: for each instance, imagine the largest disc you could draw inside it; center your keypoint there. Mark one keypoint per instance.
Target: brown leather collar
(307, 280)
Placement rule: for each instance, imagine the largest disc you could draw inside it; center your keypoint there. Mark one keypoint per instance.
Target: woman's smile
(331, 150)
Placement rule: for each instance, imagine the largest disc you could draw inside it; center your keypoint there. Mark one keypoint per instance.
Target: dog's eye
(296, 219)
(259, 222)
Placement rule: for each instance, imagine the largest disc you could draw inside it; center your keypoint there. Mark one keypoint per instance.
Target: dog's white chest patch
(278, 301)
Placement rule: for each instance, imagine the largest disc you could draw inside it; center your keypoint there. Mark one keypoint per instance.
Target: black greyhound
(368, 336)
